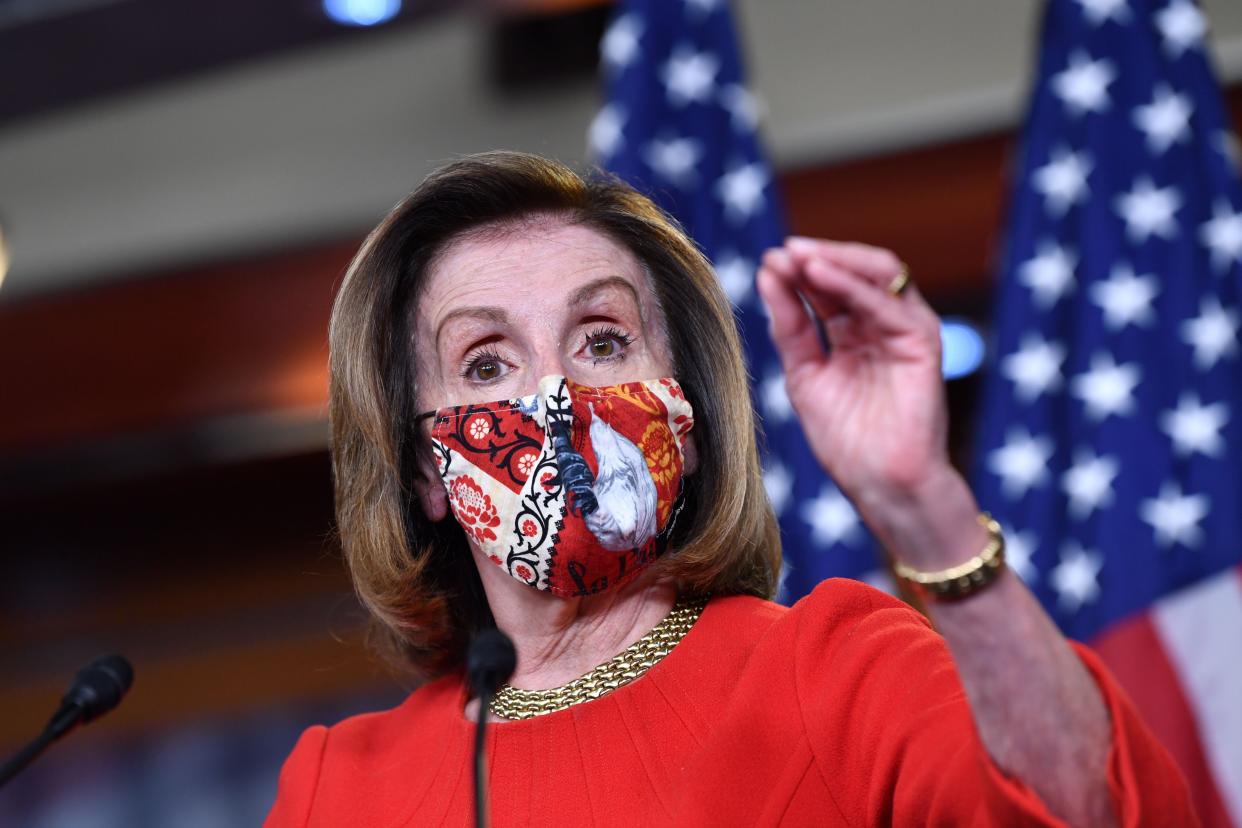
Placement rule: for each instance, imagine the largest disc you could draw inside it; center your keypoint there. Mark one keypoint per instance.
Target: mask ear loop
(678, 505)
(440, 454)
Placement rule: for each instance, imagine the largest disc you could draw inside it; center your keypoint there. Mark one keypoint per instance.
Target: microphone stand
(489, 663)
(26, 755)
(481, 819)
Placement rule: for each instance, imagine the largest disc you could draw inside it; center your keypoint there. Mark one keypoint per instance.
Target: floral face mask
(573, 490)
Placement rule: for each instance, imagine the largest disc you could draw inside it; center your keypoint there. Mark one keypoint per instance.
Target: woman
(541, 420)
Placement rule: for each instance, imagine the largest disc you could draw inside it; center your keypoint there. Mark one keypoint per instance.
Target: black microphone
(96, 689)
(489, 663)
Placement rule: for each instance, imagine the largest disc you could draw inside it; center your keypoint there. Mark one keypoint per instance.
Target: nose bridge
(549, 363)
(550, 355)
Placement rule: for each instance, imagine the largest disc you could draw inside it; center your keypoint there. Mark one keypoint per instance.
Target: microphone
(96, 689)
(489, 663)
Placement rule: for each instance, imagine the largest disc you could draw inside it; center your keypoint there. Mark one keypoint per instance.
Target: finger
(792, 328)
(778, 259)
(878, 265)
(782, 265)
(911, 297)
(862, 299)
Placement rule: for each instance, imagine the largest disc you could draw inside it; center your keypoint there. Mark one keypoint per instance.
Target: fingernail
(779, 258)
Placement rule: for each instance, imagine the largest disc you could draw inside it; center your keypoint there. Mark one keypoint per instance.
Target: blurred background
(181, 186)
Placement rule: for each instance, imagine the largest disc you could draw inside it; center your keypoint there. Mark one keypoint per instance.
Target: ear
(689, 456)
(431, 493)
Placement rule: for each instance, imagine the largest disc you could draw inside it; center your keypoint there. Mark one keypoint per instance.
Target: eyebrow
(491, 314)
(585, 293)
(579, 297)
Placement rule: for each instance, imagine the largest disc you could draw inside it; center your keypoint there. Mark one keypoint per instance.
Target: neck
(558, 639)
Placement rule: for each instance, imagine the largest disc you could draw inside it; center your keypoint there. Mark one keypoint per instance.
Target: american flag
(681, 126)
(1111, 434)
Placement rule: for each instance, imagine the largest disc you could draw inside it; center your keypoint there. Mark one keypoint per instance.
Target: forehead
(541, 259)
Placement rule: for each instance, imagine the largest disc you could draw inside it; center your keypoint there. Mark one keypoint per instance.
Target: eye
(607, 343)
(487, 369)
(483, 366)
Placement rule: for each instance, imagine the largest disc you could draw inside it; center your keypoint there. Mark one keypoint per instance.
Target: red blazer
(842, 710)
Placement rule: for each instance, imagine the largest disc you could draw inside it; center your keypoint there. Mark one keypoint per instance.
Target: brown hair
(418, 577)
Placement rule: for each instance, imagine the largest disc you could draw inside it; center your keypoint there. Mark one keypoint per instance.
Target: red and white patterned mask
(574, 489)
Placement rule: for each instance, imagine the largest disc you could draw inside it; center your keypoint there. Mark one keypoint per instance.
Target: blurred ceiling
(53, 54)
(142, 135)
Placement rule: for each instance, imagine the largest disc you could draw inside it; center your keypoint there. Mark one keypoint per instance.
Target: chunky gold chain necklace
(512, 703)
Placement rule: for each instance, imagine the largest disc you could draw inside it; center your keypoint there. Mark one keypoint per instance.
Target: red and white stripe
(1181, 663)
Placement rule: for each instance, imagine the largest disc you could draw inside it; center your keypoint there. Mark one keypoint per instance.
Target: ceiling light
(361, 12)
(4, 256)
(962, 347)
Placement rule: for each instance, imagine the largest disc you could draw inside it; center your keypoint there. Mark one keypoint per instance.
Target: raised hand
(872, 404)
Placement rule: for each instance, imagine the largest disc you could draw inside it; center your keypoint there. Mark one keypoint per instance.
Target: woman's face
(501, 310)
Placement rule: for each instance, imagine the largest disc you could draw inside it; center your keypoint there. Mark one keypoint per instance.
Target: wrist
(964, 579)
(931, 525)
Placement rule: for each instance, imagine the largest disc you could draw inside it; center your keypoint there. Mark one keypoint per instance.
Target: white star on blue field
(1110, 447)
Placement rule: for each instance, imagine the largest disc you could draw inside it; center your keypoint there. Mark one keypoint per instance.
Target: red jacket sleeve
(880, 694)
(299, 778)
(1146, 785)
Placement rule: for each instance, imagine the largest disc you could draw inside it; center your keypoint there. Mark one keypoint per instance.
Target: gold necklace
(636, 659)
